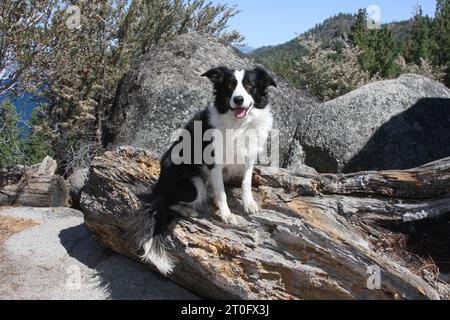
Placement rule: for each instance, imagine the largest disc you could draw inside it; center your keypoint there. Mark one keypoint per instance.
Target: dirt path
(10, 226)
(47, 253)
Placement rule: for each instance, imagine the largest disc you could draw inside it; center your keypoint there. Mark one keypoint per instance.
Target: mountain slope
(327, 30)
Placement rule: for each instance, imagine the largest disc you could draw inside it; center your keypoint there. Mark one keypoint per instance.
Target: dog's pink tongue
(240, 113)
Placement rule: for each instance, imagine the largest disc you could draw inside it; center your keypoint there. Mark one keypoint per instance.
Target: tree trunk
(317, 237)
(33, 186)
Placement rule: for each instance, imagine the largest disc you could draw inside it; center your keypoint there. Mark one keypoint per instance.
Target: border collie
(187, 181)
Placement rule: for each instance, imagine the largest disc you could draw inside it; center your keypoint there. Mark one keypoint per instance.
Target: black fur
(175, 182)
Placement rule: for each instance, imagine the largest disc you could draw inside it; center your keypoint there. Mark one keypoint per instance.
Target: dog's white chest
(242, 141)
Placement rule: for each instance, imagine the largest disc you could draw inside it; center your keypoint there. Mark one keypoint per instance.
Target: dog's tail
(150, 234)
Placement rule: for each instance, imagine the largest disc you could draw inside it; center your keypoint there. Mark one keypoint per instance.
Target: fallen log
(33, 186)
(317, 237)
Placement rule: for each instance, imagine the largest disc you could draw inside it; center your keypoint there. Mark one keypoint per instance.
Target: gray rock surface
(165, 89)
(76, 183)
(34, 186)
(395, 124)
(59, 259)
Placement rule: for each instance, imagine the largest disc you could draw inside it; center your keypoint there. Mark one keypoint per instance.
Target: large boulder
(76, 184)
(33, 186)
(165, 89)
(395, 124)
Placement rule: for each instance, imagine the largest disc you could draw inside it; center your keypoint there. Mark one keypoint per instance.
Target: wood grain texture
(314, 238)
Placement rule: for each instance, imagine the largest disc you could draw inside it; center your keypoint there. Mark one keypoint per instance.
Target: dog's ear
(264, 78)
(216, 75)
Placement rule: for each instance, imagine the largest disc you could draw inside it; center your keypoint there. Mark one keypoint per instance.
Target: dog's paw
(251, 207)
(229, 218)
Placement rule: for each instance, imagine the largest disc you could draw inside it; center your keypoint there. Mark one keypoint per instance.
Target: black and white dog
(187, 179)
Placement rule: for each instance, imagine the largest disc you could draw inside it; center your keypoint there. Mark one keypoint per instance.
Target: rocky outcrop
(317, 237)
(76, 184)
(34, 186)
(164, 90)
(395, 124)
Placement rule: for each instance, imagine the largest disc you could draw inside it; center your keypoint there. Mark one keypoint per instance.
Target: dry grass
(10, 226)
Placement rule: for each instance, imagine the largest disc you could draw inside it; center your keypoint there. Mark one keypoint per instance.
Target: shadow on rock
(415, 137)
(120, 277)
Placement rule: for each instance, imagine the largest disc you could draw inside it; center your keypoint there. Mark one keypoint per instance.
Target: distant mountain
(245, 49)
(327, 30)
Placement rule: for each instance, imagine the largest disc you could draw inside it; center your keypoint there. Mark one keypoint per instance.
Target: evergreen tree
(419, 43)
(441, 32)
(11, 145)
(39, 140)
(379, 49)
(359, 28)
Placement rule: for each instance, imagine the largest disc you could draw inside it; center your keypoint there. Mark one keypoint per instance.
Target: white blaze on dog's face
(241, 101)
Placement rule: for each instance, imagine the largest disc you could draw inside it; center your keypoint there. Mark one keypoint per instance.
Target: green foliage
(11, 144)
(441, 32)
(419, 42)
(151, 22)
(420, 45)
(329, 70)
(16, 147)
(379, 49)
(78, 69)
(38, 143)
(23, 41)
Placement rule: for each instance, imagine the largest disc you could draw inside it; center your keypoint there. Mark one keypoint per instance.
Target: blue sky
(269, 22)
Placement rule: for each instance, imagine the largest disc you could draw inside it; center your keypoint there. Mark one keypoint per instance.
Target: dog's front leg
(250, 205)
(220, 196)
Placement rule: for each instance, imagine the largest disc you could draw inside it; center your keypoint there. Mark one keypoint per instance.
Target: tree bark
(317, 237)
(33, 186)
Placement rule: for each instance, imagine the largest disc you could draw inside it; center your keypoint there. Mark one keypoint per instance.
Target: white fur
(154, 250)
(241, 92)
(159, 258)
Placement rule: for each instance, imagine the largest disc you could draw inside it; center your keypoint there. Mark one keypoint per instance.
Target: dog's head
(239, 91)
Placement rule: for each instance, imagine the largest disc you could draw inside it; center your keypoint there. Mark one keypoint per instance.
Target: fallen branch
(305, 244)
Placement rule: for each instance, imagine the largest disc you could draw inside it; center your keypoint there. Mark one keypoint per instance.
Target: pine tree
(11, 144)
(359, 28)
(38, 144)
(441, 32)
(419, 43)
(386, 54)
(379, 49)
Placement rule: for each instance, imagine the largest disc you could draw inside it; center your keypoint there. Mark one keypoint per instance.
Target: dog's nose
(239, 100)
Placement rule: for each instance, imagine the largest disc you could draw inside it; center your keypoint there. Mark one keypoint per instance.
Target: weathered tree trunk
(318, 236)
(33, 186)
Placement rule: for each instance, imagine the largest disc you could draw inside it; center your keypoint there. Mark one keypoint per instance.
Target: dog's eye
(249, 86)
